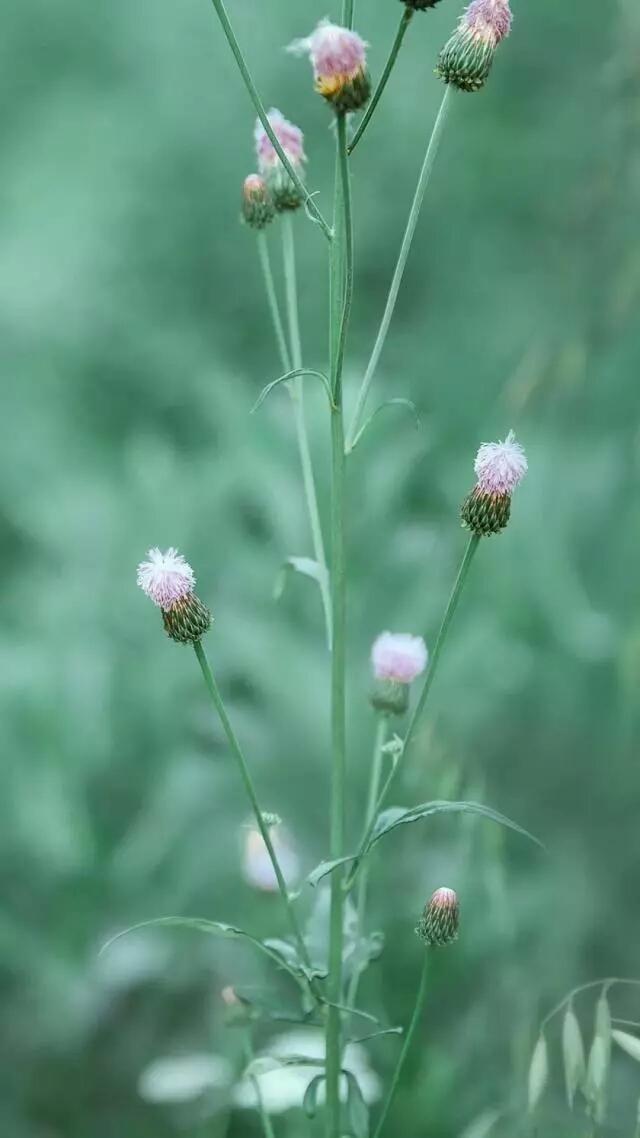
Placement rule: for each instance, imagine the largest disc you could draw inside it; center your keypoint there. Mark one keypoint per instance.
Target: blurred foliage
(135, 339)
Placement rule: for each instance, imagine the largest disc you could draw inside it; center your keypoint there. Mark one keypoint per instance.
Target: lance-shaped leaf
(214, 928)
(538, 1072)
(397, 816)
(324, 868)
(289, 376)
(399, 402)
(306, 566)
(629, 1043)
(357, 1109)
(310, 1100)
(573, 1054)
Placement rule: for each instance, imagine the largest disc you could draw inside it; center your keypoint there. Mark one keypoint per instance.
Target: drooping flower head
(397, 659)
(499, 467)
(283, 190)
(440, 921)
(466, 60)
(257, 204)
(168, 580)
(339, 60)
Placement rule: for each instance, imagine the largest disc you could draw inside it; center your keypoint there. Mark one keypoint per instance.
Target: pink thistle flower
(399, 657)
(488, 20)
(289, 136)
(501, 466)
(335, 52)
(166, 577)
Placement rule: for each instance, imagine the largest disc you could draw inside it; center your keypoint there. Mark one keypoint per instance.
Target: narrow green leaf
(310, 1100)
(326, 867)
(599, 1063)
(387, 403)
(357, 1109)
(628, 1043)
(264, 1064)
(397, 816)
(377, 1034)
(573, 1054)
(213, 928)
(306, 566)
(285, 379)
(538, 1072)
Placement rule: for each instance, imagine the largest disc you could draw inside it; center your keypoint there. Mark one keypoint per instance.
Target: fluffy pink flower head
(488, 20)
(289, 136)
(166, 577)
(500, 466)
(335, 52)
(398, 656)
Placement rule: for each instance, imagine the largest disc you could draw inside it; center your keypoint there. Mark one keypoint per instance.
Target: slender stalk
(267, 1125)
(297, 395)
(405, 20)
(414, 213)
(245, 774)
(341, 285)
(382, 730)
(348, 13)
(310, 204)
(272, 298)
(452, 605)
(605, 984)
(406, 1046)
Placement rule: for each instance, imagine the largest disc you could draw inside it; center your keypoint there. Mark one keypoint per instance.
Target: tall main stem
(341, 289)
(414, 213)
(297, 396)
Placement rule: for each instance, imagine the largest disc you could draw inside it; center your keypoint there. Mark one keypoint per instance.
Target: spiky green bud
(390, 697)
(420, 5)
(465, 60)
(346, 93)
(187, 620)
(257, 204)
(484, 513)
(440, 920)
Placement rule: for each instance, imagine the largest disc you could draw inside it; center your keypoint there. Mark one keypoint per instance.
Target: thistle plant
(277, 204)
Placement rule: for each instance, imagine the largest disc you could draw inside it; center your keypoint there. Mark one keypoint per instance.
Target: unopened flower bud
(440, 920)
(284, 192)
(339, 60)
(466, 60)
(168, 580)
(420, 5)
(499, 468)
(257, 204)
(397, 659)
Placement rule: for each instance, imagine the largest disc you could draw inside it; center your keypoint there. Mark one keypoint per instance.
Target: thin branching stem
(311, 207)
(405, 20)
(272, 299)
(265, 1119)
(406, 1046)
(341, 273)
(297, 395)
(414, 213)
(247, 779)
(605, 984)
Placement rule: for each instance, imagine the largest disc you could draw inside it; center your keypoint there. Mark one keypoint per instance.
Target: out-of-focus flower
(440, 920)
(500, 468)
(168, 580)
(256, 863)
(182, 1078)
(466, 60)
(283, 1088)
(257, 204)
(283, 190)
(397, 658)
(339, 60)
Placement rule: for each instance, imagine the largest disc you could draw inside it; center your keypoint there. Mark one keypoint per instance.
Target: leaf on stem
(264, 1064)
(306, 566)
(326, 867)
(397, 816)
(357, 1109)
(575, 1067)
(407, 403)
(273, 950)
(289, 375)
(310, 1100)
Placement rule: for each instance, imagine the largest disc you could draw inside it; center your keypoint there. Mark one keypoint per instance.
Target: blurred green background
(135, 338)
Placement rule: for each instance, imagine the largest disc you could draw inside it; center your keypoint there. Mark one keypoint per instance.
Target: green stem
(605, 984)
(272, 298)
(405, 20)
(452, 605)
(341, 284)
(382, 730)
(267, 1124)
(310, 204)
(245, 774)
(414, 213)
(348, 13)
(408, 1039)
(297, 395)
